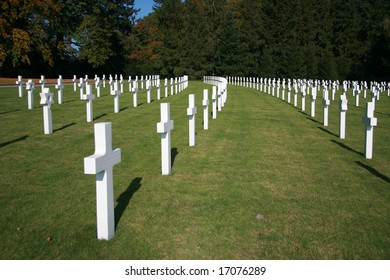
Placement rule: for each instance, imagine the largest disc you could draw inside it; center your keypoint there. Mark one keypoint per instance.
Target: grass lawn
(266, 181)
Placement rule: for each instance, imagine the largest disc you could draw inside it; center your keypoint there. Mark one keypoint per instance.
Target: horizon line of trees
(323, 39)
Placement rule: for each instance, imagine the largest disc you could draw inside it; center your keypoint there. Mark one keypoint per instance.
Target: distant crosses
(101, 163)
(219, 97)
(171, 86)
(42, 81)
(374, 94)
(135, 93)
(46, 101)
(356, 92)
(142, 82)
(191, 113)
(74, 80)
(19, 83)
(214, 100)
(326, 103)
(289, 91)
(59, 86)
(205, 103)
(121, 82)
(30, 86)
(104, 81)
(369, 121)
(89, 97)
(343, 112)
(164, 128)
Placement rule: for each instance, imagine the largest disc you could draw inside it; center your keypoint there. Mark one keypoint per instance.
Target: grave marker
(89, 97)
(116, 92)
(101, 163)
(148, 90)
(191, 113)
(81, 86)
(46, 101)
(59, 86)
(42, 81)
(313, 102)
(214, 100)
(205, 104)
(135, 94)
(19, 82)
(164, 127)
(74, 83)
(326, 103)
(343, 112)
(30, 86)
(370, 121)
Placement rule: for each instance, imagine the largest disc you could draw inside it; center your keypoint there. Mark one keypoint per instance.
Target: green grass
(320, 198)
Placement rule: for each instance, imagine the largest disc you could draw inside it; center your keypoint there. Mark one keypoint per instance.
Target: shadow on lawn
(65, 126)
(174, 153)
(327, 131)
(7, 112)
(347, 148)
(124, 199)
(24, 137)
(373, 171)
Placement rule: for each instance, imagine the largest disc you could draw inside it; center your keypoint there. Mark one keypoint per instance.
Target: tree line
(324, 39)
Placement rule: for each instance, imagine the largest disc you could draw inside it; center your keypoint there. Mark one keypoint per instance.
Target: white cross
(343, 113)
(370, 121)
(116, 93)
(30, 86)
(59, 86)
(205, 104)
(135, 93)
(164, 127)
(46, 101)
(191, 113)
(313, 102)
(326, 103)
(101, 163)
(89, 97)
(42, 81)
(74, 82)
(19, 82)
(81, 86)
(148, 90)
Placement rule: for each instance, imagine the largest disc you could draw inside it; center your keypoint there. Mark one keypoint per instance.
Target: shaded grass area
(318, 197)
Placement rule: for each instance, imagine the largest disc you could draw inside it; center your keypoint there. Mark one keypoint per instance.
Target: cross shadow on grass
(373, 171)
(65, 126)
(313, 120)
(100, 116)
(174, 153)
(124, 199)
(24, 137)
(327, 131)
(7, 112)
(347, 148)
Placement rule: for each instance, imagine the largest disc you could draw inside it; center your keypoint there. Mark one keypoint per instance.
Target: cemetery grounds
(266, 181)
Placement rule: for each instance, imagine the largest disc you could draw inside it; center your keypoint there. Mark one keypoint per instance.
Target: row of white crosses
(310, 87)
(101, 164)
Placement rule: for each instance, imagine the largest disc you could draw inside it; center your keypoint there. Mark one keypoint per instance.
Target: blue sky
(146, 7)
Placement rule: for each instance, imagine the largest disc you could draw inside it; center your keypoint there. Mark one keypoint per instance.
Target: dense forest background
(330, 39)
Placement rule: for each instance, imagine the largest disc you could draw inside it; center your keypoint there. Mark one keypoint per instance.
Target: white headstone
(46, 101)
(19, 82)
(104, 81)
(370, 121)
(42, 81)
(116, 92)
(313, 102)
(164, 128)
(214, 100)
(74, 83)
(97, 86)
(191, 113)
(303, 89)
(158, 89)
(148, 91)
(30, 86)
(205, 104)
(326, 103)
(135, 94)
(343, 114)
(101, 163)
(356, 91)
(81, 86)
(166, 87)
(89, 97)
(59, 86)
(121, 82)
